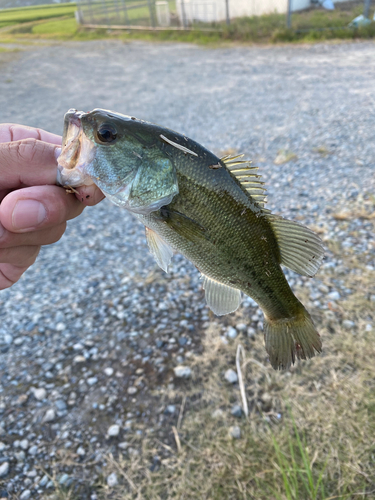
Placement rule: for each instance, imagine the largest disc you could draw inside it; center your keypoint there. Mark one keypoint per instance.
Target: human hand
(33, 210)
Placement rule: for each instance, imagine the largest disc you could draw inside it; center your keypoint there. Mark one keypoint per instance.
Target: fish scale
(209, 209)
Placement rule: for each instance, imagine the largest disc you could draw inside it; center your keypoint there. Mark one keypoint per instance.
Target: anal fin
(159, 249)
(220, 298)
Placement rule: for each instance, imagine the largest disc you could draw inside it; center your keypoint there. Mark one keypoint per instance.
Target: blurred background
(116, 380)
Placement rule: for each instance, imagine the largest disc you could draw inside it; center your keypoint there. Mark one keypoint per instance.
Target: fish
(210, 209)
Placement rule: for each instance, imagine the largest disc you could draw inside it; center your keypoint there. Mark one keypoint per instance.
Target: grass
(10, 17)
(58, 22)
(310, 433)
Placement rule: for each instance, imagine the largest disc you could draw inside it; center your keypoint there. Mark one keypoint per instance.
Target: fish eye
(106, 134)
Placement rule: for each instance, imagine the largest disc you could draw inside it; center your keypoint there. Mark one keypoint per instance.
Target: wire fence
(298, 15)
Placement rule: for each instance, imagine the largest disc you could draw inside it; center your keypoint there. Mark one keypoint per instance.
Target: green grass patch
(35, 13)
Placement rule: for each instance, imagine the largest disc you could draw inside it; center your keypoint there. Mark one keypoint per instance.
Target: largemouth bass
(210, 209)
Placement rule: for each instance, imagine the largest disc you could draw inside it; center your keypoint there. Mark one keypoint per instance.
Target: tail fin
(290, 337)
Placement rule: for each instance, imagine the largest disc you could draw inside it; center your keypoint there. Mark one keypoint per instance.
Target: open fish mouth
(77, 152)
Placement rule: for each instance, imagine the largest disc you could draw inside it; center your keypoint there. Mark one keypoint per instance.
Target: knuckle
(27, 149)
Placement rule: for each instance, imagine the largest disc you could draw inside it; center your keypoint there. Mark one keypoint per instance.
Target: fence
(299, 15)
(142, 14)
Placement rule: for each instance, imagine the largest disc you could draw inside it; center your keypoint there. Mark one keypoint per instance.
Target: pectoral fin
(220, 298)
(159, 249)
(183, 225)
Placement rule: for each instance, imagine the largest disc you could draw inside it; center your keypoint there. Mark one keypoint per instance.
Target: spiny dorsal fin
(246, 174)
(300, 248)
(220, 298)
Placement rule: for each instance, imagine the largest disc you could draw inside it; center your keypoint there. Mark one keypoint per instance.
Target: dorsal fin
(246, 174)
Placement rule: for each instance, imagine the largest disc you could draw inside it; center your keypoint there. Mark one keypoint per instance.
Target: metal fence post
(184, 24)
(227, 11)
(151, 8)
(366, 9)
(289, 15)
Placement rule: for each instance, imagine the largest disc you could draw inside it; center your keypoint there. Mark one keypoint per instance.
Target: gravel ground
(91, 334)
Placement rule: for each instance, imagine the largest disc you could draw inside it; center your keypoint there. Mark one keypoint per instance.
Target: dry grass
(284, 156)
(330, 399)
(310, 434)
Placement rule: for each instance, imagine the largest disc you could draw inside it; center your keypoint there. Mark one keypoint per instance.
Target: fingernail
(28, 214)
(57, 152)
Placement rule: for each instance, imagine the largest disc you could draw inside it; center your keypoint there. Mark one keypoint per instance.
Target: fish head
(121, 155)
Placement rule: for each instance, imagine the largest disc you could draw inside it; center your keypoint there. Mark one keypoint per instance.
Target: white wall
(215, 10)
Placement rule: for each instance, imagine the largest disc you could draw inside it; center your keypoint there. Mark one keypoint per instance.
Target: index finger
(28, 162)
(10, 132)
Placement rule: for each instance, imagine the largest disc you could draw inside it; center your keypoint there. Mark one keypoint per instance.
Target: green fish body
(209, 209)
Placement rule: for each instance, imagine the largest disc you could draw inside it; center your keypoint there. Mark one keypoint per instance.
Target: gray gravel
(94, 330)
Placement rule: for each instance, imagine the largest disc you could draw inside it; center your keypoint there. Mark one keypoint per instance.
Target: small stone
(236, 411)
(43, 481)
(24, 444)
(78, 346)
(231, 332)
(92, 380)
(49, 415)
(4, 469)
(114, 430)
(25, 495)
(63, 479)
(368, 327)
(20, 456)
(123, 445)
(60, 327)
(81, 452)
(348, 324)
(182, 371)
(231, 376)
(241, 327)
(2, 446)
(22, 399)
(8, 339)
(132, 390)
(333, 295)
(79, 359)
(18, 341)
(33, 450)
(40, 394)
(108, 371)
(251, 332)
(112, 480)
(235, 432)
(60, 405)
(323, 288)
(170, 409)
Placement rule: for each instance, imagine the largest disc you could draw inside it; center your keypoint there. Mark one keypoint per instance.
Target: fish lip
(71, 139)
(73, 116)
(70, 167)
